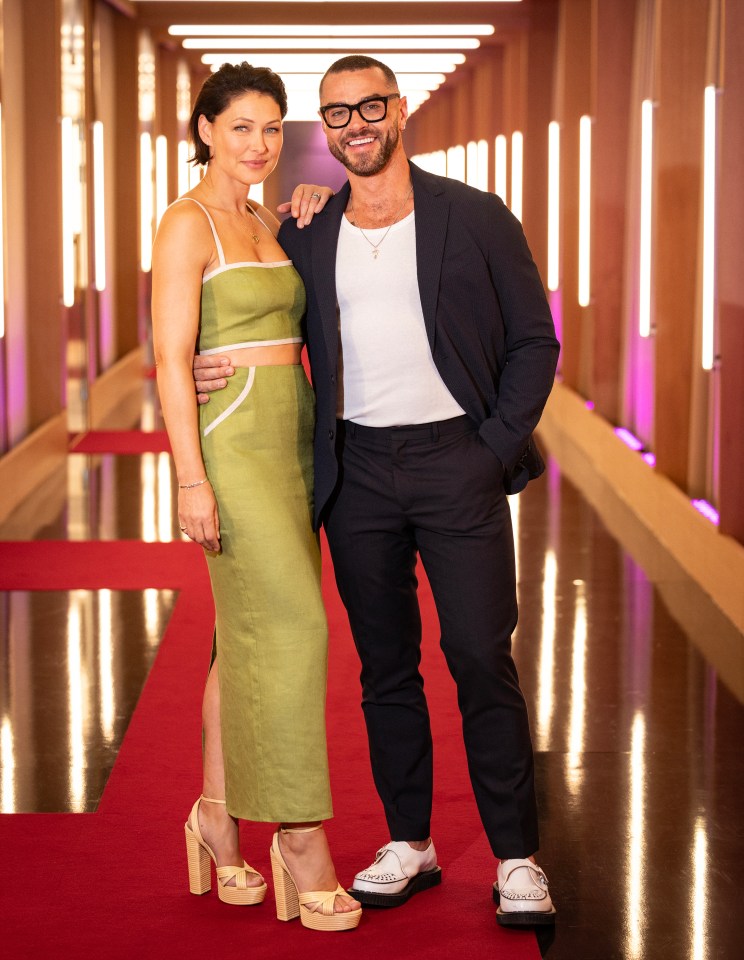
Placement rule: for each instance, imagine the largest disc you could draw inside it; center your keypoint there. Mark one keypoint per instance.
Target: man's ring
(315, 196)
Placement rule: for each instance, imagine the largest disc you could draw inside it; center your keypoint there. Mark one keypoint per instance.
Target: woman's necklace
(248, 207)
(376, 246)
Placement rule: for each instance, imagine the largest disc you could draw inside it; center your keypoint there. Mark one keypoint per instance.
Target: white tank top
(385, 363)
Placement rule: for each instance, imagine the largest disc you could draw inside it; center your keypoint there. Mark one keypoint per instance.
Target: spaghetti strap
(258, 216)
(217, 243)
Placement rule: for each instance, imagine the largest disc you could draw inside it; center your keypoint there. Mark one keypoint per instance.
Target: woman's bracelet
(188, 486)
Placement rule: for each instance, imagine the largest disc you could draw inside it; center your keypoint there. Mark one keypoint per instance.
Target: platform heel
(198, 855)
(290, 903)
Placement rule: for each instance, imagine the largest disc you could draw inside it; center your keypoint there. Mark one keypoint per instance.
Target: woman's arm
(182, 249)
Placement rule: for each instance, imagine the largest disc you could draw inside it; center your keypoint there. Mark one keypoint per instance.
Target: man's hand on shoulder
(210, 374)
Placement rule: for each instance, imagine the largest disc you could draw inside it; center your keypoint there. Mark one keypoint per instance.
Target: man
(433, 353)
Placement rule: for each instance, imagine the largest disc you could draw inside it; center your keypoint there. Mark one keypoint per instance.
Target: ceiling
(426, 42)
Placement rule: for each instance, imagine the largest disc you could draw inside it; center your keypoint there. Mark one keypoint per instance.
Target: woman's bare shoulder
(184, 227)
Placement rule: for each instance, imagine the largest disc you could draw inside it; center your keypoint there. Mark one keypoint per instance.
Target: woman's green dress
(271, 638)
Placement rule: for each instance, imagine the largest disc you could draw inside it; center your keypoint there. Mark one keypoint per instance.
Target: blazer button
(331, 434)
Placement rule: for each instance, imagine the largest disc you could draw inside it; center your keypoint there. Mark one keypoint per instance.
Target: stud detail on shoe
(397, 873)
(521, 890)
(508, 894)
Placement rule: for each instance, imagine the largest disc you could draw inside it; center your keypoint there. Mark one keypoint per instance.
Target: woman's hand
(198, 516)
(307, 200)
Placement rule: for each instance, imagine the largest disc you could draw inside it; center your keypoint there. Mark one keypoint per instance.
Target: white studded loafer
(521, 892)
(398, 872)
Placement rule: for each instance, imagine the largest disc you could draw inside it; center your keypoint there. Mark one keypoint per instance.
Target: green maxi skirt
(271, 637)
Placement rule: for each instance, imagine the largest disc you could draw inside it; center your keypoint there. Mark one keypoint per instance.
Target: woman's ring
(315, 196)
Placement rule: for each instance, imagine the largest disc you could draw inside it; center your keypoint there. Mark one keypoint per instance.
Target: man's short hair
(358, 61)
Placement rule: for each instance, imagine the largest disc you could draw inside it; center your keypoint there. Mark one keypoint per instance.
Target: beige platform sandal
(290, 903)
(199, 853)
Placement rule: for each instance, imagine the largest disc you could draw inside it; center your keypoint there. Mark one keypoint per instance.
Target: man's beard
(367, 166)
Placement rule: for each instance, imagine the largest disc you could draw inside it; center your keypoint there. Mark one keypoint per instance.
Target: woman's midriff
(284, 354)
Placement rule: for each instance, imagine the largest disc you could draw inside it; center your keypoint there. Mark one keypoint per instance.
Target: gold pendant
(255, 238)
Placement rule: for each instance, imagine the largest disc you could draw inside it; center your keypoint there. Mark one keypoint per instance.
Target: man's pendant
(255, 238)
(375, 253)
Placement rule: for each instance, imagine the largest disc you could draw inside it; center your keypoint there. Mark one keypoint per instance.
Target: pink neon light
(707, 510)
(650, 458)
(627, 437)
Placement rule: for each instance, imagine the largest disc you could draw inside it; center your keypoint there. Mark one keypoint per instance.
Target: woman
(244, 467)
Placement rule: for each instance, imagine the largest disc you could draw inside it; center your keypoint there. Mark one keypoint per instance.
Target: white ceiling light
(357, 44)
(330, 30)
(313, 62)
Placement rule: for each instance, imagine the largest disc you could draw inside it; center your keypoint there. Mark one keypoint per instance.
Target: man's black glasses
(372, 109)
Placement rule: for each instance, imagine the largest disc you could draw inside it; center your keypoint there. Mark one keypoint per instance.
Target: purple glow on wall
(556, 308)
(638, 379)
(707, 510)
(627, 437)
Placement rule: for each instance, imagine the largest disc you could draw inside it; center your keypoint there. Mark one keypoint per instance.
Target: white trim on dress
(235, 404)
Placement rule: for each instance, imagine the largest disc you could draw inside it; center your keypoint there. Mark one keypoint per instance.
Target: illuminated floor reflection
(637, 737)
(639, 763)
(74, 662)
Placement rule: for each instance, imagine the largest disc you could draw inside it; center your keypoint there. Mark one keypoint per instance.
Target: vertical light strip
(195, 175)
(636, 838)
(499, 163)
(161, 176)
(152, 616)
(165, 498)
(516, 174)
(578, 689)
(585, 210)
(471, 164)
(514, 504)
(69, 193)
(456, 163)
(2, 234)
(709, 229)
(554, 200)
(482, 183)
(148, 480)
(699, 901)
(7, 764)
(546, 669)
(99, 207)
(77, 692)
(646, 220)
(107, 689)
(183, 167)
(146, 202)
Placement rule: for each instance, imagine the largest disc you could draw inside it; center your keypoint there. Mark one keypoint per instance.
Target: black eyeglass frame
(351, 107)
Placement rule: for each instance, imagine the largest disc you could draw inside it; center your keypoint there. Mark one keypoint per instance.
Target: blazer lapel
(432, 215)
(324, 233)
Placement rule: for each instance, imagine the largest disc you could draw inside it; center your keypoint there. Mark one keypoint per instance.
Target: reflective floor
(638, 738)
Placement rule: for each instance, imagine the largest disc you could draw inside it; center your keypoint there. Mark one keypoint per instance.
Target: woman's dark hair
(222, 87)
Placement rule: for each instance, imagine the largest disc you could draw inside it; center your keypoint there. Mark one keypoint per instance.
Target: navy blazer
(488, 322)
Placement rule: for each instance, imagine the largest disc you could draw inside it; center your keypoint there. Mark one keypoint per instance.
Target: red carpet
(120, 441)
(113, 883)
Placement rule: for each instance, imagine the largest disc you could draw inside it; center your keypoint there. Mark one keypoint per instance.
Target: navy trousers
(434, 490)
